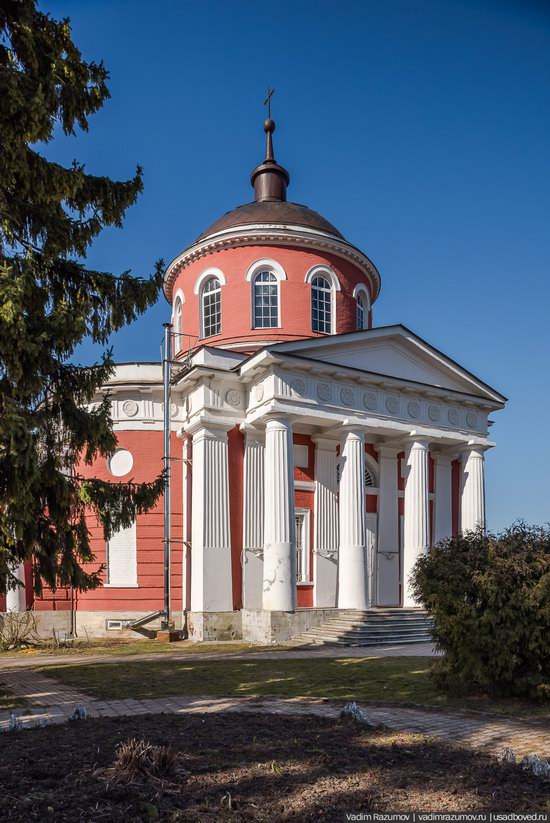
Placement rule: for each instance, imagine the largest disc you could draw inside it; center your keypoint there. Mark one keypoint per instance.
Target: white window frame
(130, 579)
(177, 321)
(328, 274)
(203, 291)
(265, 264)
(306, 549)
(362, 290)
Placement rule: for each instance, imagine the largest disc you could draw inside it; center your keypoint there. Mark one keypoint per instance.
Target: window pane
(266, 300)
(211, 308)
(321, 305)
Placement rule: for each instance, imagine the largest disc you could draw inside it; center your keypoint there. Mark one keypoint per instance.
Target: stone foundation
(94, 624)
(264, 627)
(214, 626)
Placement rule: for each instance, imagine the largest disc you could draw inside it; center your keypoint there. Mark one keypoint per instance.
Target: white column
(211, 586)
(253, 519)
(416, 522)
(15, 598)
(472, 503)
(279, 590)
(387, 556)
(352, 566)
(325, 539)
(443, 525)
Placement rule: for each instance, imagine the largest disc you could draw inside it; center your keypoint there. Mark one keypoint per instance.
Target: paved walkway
(53, 702)
(296, 652)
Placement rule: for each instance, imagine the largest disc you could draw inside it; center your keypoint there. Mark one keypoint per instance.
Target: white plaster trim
(265, 264)
(323, 271)
(304, 485)
(276, 234)
(362, 289)
(205, 275)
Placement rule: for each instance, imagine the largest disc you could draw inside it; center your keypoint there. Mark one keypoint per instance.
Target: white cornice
(272, 234)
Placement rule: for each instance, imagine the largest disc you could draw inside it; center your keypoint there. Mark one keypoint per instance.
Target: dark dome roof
(272, 211)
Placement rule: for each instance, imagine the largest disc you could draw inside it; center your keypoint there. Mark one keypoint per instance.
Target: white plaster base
(218, 626)
(266, 627)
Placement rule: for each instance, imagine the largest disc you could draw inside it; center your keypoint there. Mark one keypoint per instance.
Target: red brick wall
(295, 293)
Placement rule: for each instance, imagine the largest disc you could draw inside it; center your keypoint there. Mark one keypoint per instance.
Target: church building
(314, 455)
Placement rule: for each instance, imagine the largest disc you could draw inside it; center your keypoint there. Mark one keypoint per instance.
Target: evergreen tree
(50, 301)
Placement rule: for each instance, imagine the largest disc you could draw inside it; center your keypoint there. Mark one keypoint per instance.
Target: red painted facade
(294, 300)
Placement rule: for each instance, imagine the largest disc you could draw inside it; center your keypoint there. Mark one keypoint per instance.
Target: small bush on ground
(17, 629)
(489, 597)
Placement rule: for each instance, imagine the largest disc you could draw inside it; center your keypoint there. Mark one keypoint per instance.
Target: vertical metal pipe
(166, 361)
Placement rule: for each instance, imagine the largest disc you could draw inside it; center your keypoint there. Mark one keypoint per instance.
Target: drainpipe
(166, 373)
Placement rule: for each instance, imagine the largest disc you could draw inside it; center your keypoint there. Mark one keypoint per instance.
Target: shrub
(17, 629)
(489, 597)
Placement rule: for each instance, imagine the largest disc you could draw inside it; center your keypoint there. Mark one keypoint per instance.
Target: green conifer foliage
(50, 301)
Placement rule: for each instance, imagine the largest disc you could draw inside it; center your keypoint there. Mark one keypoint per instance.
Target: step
(387, 642)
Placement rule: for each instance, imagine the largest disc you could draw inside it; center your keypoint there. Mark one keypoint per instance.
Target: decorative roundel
(370, 401)
(392, 404)
(453, 416)
(346, 396)
(414, 408)
(434, 413)
(259, 393)
(120, 463)
(233, 397)
(173, 409)
(471, 420)
(324, 391)
(298, 387)
(130, 408)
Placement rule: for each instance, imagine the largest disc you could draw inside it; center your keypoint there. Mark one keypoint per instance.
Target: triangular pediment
(395, 352)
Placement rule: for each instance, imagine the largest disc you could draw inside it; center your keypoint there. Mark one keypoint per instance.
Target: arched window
(321, 304)
(362, 312)
(178, 326)
(362, 306)
(211, 307)
(265, 300)
(370, 481)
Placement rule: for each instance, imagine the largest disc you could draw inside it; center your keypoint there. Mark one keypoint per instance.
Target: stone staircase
(373, 627)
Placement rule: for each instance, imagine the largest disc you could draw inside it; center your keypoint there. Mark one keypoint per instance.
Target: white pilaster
(211, 587)
(253, 519)
(352, 565)
(416, 521)
(472, 502)
(15, 598)
(387, 593)
(279, 589)
(325, 541)
(443, 527)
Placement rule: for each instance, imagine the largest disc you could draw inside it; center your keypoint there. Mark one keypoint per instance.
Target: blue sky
(420, 128)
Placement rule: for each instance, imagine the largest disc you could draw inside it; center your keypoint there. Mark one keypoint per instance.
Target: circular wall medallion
(323, 391)
(173, 409)
(414, 408)
(434, 413)
(346, 395)
(370, 400)
(453, 416)
(120, 463)
(259, 393)
(298, 387)
(471, 420)
(392, 404)
(130, 408)
(233, 397)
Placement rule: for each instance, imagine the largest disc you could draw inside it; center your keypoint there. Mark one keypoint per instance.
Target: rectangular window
(302, 546)
(122, 558)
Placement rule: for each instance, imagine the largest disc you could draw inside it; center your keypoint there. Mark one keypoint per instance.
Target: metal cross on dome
(267, 101)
